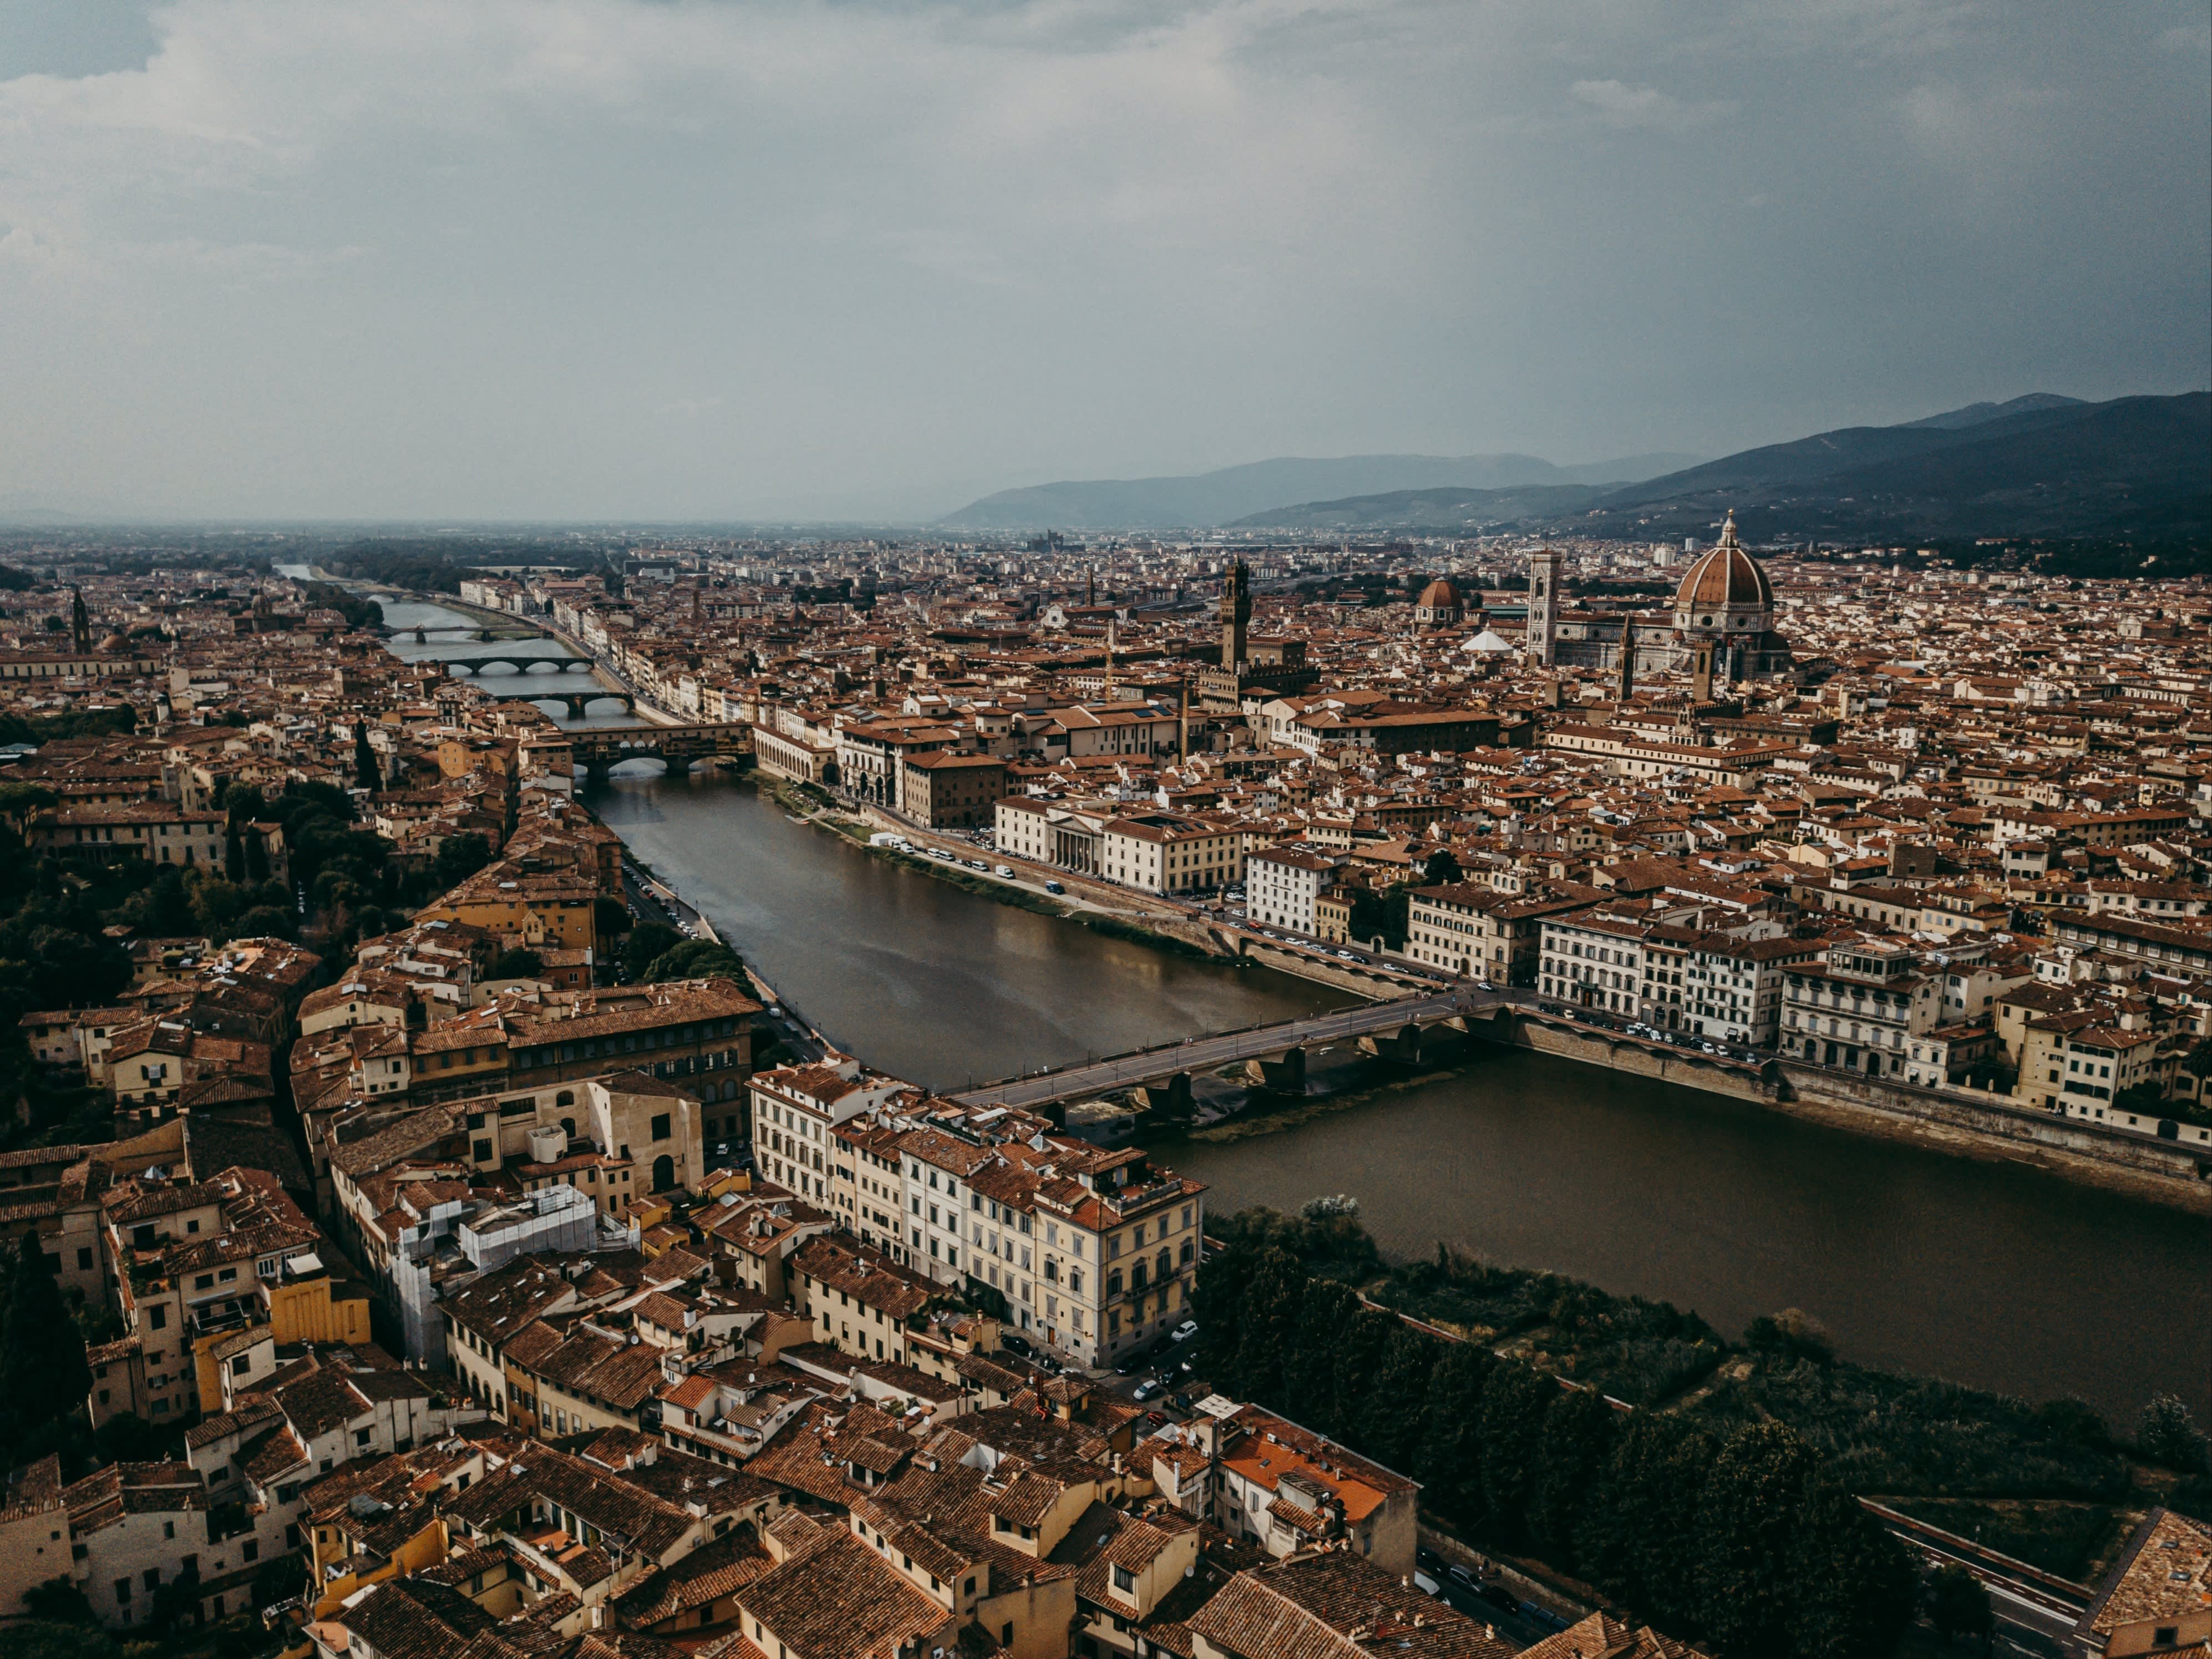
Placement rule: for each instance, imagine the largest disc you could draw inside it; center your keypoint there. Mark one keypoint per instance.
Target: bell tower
(80, 622)
(1236, 613)
(1539, 640)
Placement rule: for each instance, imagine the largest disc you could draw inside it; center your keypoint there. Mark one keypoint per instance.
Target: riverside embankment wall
(2158, 1170)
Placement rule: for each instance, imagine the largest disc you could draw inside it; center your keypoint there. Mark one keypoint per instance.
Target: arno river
(1989, 1273)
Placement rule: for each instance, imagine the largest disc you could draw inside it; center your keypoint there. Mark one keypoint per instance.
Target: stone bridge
(596, 749)
(576, 702)
(522, 663)
(1273, 1056)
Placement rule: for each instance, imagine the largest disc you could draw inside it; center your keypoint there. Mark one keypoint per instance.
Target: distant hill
(2053, 466)
(1975, 414)
(1462, 510)
(1207, 499)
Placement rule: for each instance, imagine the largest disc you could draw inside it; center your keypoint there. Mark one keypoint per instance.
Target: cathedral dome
(1439, 605)
(1725, 591)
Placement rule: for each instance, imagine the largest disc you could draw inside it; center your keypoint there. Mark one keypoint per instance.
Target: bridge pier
(1402, 1046)
(1284, 1075)
(1169, 1098)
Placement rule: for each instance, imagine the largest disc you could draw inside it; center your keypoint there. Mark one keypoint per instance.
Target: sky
(699, 259)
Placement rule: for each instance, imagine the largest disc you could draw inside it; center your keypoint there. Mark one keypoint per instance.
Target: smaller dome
(1439, 595)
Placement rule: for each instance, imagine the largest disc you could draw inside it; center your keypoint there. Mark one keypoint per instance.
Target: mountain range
(1222, 497)
(2041, 464)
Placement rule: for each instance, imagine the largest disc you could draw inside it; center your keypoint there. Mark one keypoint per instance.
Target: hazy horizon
(533, 261)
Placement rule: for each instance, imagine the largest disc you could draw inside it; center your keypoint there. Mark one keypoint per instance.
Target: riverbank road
(1207, 1054)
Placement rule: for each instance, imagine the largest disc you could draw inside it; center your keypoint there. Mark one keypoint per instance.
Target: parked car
(1498, 1596)
(1005, 871)
(1054, 887)
(1428, 1559)
(1537, 1613)
(1014, 1343)
(1159, 1418)
(1184, 1332)
(1147, 1391)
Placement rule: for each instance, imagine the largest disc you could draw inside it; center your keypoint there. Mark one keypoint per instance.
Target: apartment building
(1269, 1480)
(1480, 933)
(1281, 885)
(797, 1111)
(1860, 1008)
(945, 790)
(1169, 853)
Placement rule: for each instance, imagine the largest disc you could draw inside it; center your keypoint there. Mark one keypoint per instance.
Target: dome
(1439, 595)
(1725, 590)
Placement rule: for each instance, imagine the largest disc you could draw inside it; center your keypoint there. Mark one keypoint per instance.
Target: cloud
(1619, 105)
(403, 256)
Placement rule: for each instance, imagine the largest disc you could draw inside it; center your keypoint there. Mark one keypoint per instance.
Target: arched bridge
(598, 748)
(1274, 1056)
(578, 703)
(523, 663)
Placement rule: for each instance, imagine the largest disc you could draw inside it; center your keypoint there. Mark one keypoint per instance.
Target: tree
(2167, 1435)
(1440, 867)
(2075, 1421)
(176, 1602)
(280, 1579)
(1393, 1409)
(21, 804)
(127, 1437)
(38, 1638)
(610, 917)
(263, 922)
(1637, 1536)
(1217, 1297)
(257, 856)
(1268, 1319)
(1326, 1345)
(234, 855)
(1793, 1333)
(1514, 1404)
(516, 965)
(1570, 1455)
(1853, 1585)
(1450, 1464)
(695, 958)
(1746, 1518)
(648, 941)
(460, 857)
(1958, 1605)
(364, 759)
(59, 1601)
(43, 1374)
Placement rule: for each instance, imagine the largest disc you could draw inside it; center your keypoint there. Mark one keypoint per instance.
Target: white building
(1282, 882)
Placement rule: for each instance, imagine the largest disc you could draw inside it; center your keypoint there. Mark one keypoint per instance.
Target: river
(1994, 1274)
